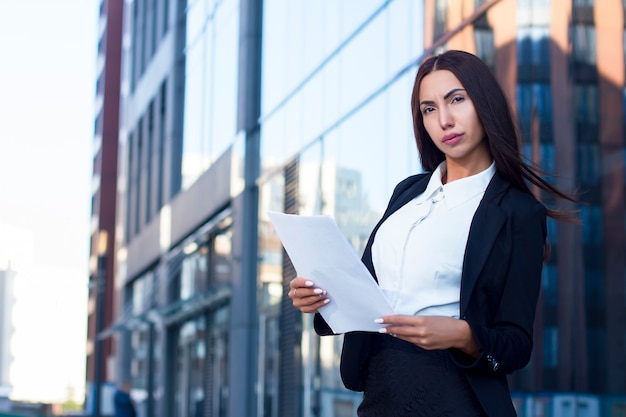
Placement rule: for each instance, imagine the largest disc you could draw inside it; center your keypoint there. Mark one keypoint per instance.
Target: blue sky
(47, 73)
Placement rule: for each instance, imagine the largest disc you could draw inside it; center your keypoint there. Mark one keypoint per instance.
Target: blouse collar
(458, 191)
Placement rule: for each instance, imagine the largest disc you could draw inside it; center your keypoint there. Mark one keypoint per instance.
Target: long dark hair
(494, 113)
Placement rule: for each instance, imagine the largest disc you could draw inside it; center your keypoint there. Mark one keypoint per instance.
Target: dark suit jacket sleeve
(502, 310)
(321, 327)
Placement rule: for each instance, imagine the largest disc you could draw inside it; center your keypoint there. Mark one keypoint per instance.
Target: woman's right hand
(306, 296)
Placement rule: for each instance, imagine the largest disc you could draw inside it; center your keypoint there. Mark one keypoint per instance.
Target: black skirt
(404, 380)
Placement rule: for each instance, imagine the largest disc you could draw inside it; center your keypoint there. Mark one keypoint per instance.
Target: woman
(458, 253)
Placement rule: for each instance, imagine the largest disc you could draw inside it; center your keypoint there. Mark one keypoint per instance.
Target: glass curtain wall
(535, 104)
(336, 138)
(534, 111)
(586, 104)
(270, 276)
(191, 368)
(144, 359)
(201, 323)
(211, 68)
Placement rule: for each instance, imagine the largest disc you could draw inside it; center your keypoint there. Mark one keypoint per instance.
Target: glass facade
(182, 304)
(144, 360)
(199, 316)
(211, 66)
(334, 136)
(201, 362)
(192, 361)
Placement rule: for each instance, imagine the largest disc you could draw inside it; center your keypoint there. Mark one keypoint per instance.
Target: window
(129, 185)
(161, 144)
(150, 144)
(211, 75)
(591, 219)
(533, 45)
(166, 17)
(207, 262)
(584, 44)
(137, 175)
(534, 104)
(549, 285)
(154, 22)
(550, 347)
(220, 270)
(134, 53)
(586, 102)
(485, 46)
(194, 273)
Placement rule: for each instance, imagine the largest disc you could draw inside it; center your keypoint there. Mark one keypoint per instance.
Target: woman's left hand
(432, 332)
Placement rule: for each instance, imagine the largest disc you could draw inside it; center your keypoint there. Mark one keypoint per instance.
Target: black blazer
(500, 285)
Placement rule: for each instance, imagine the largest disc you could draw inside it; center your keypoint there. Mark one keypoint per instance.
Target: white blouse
(418, 251)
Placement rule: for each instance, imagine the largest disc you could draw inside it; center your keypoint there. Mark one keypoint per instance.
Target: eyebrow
(454, 90)
(448, 94)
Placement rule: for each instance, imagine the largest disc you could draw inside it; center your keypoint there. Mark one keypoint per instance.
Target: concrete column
(572, 371)
(609, 23)
(242, 353)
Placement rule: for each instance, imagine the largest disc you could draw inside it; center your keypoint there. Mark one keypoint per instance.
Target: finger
(312, 307)
(398, 330)
(408, 334)
(390, 330)
(401, 320)
(303, 292)
(310, 298)
(299, 282)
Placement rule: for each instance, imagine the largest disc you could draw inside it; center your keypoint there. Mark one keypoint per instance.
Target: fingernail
(309, 283)
(326, 301)
(383, 330)
(379, 321)
(318, 291)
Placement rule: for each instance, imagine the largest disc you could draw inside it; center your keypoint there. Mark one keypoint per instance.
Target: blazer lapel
(404, 196)
(413, 188)
(486, 224)
(409, 194)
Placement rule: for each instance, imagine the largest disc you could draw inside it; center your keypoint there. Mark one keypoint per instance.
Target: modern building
(232, 108)
(7, 301)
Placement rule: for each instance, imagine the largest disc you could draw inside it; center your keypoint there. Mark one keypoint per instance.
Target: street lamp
(100, 291)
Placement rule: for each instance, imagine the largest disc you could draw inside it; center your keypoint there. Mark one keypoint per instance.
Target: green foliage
(71, 405)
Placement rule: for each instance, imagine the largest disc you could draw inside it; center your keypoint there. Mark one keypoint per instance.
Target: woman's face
(451, 121)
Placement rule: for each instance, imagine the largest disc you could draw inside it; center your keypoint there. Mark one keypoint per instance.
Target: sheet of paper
(320, 252)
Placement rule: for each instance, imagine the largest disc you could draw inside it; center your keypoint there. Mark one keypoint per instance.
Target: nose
(445, 118)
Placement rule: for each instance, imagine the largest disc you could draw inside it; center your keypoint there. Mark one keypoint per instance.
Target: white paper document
(320, 252)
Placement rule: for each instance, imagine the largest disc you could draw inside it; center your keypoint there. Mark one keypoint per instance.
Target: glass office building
(233, 108)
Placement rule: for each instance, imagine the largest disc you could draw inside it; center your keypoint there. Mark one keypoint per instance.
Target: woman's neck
(453, 170)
